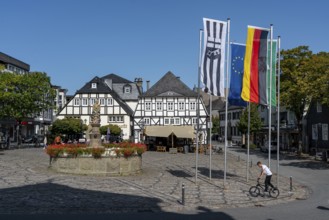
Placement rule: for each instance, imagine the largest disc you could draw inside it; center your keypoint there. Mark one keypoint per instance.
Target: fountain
(110, 163)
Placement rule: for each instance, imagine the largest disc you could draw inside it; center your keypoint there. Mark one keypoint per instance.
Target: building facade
(8, 126)
(316, 134)
(166, 108)
(117, 97)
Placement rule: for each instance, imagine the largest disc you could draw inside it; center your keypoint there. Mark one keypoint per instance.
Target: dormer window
(94, 85)
(127, 89)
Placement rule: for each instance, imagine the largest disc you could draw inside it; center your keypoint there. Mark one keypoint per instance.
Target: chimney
(178, 77)
(147, 85)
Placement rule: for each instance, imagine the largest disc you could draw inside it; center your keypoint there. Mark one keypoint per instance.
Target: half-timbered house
(117, 97)
(167, 113)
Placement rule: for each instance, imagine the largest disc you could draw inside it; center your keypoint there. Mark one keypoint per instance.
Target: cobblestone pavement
(27, 186)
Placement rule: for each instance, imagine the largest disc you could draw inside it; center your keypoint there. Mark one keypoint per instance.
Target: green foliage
(255, 121)
(305, 78)
(68, 126)
(295, 80)
(115, 129)
(215, 125)
(318, 78)
(25, 95)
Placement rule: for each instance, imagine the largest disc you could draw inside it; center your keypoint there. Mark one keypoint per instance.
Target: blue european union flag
(237, 64)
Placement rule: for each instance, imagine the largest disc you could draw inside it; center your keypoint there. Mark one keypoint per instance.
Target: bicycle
(259, 189)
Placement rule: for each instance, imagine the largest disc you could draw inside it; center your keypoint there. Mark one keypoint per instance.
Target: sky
(75, 40)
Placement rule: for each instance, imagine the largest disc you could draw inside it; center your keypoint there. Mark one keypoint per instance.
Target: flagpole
(226, 98)
(248, 143)
(270, 101)
(278, 112)
(210, 129)
(198, 110)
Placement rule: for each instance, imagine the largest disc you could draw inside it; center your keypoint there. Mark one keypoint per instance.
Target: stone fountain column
(95, 135)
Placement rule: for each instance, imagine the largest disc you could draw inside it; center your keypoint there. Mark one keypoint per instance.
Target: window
(109, 101)
(120, 118)
(170, 106)
(166, 121)
(181, 105)
(147, 121)
(127, 89)
(102, 101)
(94, 85)
(318, 107)
(116, 118)
(92, 101)
(172, 121)
(84, 102)
(76, 101)
(177, 121)
(147, 106)
(159, 106)
(194, 121)
(192, 106)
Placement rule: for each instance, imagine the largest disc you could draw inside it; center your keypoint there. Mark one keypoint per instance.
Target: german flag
(254, 77)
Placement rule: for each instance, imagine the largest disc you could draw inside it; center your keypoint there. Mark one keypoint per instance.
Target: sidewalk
(27, 186)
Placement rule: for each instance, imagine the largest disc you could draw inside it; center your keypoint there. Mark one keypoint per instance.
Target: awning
(165, 131)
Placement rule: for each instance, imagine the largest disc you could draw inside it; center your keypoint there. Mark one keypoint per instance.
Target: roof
(169, 85)
(112, 84)
(116, 79)
(11, 60)
(101, 87)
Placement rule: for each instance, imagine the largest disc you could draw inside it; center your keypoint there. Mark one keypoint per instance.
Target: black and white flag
(213, 57)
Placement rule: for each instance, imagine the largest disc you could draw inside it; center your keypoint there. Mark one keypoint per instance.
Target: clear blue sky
(75, 40)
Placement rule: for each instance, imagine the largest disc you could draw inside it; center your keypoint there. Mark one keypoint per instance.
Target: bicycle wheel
(254, 191)
(274, 193)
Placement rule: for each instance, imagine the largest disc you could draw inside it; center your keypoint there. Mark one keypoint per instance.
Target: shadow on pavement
(179, 173)
(314, 165)
(219, 174)
(54, 201)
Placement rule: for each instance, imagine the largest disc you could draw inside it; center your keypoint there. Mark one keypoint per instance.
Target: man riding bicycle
(265, 171)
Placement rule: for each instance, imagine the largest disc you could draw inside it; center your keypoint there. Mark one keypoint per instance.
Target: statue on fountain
(95, 120)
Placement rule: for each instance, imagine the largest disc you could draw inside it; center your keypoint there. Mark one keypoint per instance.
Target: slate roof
(101, 87)
(11, 60)
(170, 85)
(112, 84)
(116, 79)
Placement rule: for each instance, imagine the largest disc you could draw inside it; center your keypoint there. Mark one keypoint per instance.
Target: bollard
(290, 183)
(251, 163)
(183, 194)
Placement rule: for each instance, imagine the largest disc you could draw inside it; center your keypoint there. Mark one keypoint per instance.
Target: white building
(117, 96)
(166, 108)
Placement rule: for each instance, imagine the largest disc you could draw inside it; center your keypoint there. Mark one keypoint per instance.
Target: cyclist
(265, 171)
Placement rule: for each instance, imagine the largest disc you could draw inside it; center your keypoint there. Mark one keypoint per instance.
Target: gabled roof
(116, 79)
(101, 87)
(169, 85)
(108, 85)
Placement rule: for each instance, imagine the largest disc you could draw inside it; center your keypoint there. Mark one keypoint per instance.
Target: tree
(71, 128)
(114, 129)
(318, 77)
(255, 121)
(25, 95)
(295, 82)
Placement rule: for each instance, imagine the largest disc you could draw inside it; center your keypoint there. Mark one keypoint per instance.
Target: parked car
(274, 147)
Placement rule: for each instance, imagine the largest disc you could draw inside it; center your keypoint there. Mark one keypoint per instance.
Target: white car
(274, 147)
